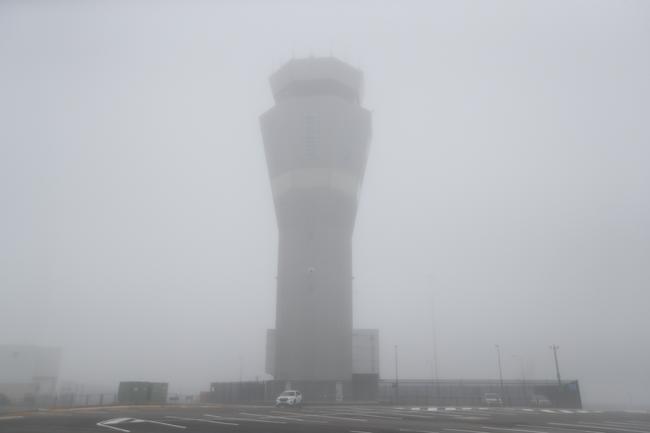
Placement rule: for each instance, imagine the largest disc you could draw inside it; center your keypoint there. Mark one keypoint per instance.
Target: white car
(492, 399)
(289, 398)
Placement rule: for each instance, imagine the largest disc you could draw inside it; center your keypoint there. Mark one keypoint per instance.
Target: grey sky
(508, 183)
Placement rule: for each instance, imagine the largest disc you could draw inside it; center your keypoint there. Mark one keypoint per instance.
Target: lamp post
(500, 370)
(554, 348)
(396, 378)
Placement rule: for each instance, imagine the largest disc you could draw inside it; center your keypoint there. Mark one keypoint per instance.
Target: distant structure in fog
(29, 374)
(316, 139)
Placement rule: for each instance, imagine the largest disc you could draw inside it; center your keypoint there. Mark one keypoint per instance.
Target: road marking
(512, 429)
(116, 420)
(4, 418)
(553, 429)
(99, 424)
(629, 424)
(344, 418)
(359, 431)
(416, 431)
(464, 431)
(107, 424)
(245, 419)
(566, 411)
(292, 418)
(605, 426)
(200, 420)
(367, 414)
(427, 417)
(450, 408)
(148, 421)
(600, 426)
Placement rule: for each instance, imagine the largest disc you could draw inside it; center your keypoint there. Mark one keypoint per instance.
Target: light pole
(396, 378)
(555, 347)
(500, 370)
(434, 337)
(434, 340)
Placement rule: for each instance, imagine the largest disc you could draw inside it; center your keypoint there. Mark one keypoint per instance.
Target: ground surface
(323, 419)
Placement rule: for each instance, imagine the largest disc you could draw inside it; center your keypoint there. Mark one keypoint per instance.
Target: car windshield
(289, 393)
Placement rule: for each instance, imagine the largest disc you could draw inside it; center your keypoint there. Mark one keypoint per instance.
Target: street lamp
(500, 370)
(396, 378)
(554, 348)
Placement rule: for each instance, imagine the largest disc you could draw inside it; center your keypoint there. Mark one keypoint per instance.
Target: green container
(142, 392)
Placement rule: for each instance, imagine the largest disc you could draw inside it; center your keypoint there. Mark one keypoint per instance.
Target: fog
(506, 197)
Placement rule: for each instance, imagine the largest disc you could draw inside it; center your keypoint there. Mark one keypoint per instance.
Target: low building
(142, 393)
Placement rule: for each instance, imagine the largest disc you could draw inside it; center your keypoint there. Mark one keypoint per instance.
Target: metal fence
(472, 392)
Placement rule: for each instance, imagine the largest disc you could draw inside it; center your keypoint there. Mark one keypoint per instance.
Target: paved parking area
(325, 419)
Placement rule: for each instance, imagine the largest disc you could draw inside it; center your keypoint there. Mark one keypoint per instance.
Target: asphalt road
(323, 419)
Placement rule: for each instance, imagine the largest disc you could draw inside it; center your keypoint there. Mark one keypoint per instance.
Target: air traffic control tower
(316, 139)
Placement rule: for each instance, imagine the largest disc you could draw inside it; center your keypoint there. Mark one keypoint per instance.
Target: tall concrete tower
(316, 139)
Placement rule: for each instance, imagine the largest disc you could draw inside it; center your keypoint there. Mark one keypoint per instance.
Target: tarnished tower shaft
(316, 141)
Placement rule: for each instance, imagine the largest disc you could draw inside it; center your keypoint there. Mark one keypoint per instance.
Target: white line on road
(201, 420)
(344, 418)
(600, 426)
(359, 431)
(116, 420)
(4, 418)
(554, 429)
(464, 431)
(513, 429)
(291, 418)
(629, 424)
(148, 421)
(99, 424)
(605, 426)
(107, 424)
(367, 414)
(245, 419)
(416, 431)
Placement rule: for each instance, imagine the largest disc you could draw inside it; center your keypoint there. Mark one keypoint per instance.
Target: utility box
(142, 392)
